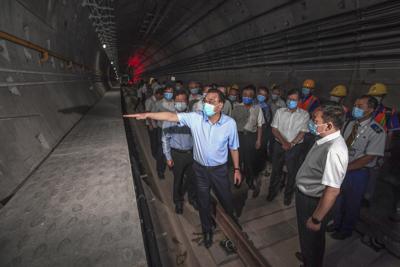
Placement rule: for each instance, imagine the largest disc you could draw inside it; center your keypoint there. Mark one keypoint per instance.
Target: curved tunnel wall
(40, 102)
(349, 42)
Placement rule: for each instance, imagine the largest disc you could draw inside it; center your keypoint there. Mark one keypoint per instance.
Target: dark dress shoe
(340, 235)
(179, 208)
(256, 192)
(208, 239)
(287, 201)
(251, 186)
(194, 204)
(271, 197)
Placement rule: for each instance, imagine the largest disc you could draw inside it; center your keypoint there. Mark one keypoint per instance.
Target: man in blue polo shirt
(213, 135)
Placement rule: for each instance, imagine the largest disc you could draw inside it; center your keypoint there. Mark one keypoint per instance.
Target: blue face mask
(168, 95)
(208, 109)
(313, 127)
(232, 98)
(247, 100)
(291, 104)
(180, 106)
(261, 98)
(194, 91)
(305, 91)
(357, 113)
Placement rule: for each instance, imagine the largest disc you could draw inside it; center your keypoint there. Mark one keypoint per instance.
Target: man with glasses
(213, 134)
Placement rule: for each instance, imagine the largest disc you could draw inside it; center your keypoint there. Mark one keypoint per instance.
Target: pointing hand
(138, 116)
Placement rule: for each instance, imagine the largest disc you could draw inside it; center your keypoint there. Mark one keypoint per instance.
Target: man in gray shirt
(318, 182)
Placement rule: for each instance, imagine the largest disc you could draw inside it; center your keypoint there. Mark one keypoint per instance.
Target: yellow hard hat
(339, 90)
(310, 84)
(377, 89)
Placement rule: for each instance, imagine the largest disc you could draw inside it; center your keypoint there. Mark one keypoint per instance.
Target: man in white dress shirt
(319, 180)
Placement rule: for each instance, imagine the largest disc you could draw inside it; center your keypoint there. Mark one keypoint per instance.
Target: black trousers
(291, 159)
(160, 158)
(312, 243)
(216, 178)
(247, 151)
(153, 141)
(262, 154)
(183, 167)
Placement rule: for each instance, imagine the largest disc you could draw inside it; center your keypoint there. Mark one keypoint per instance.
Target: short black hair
(159, 91)
(263, 88)
(333, 113)
(293, 92)
(167, 87)
(250, 87)
(181, 92)
(221, 96)
(372, 102)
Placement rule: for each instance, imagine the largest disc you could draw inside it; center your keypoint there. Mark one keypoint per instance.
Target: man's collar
(219, 122)
(365, 122)
(289, 110)
(328, 138)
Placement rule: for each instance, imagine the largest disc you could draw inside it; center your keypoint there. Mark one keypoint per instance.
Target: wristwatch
(236, 169)
(315, 220)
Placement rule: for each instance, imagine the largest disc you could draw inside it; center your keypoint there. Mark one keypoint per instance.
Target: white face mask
(334, 98)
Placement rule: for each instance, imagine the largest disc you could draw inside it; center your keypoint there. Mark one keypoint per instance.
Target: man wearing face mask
(276, 102)
(318, 182)
(385, 116)
(166, 104)
(214, 134)
(337, 95)
(249, 120)
(198, 105)
(289, 127)
(152, 125)
(177, 144)
(262, 100)
(233, 94)
(194, 89)
(308, 101)
(227, 109)
(388, 118)
(365, 140)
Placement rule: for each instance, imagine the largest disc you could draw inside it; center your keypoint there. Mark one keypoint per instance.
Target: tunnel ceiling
(165, 37)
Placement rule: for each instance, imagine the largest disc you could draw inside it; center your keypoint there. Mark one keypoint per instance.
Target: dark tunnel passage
(81, 186)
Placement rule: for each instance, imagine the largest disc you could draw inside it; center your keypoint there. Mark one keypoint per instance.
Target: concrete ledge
(79, 207)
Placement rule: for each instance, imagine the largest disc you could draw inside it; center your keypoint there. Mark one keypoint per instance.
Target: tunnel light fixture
(102, 16)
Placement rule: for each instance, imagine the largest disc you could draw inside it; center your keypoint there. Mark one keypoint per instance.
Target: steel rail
(245, 248)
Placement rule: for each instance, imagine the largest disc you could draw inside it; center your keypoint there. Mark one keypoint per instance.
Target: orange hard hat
(310, 84)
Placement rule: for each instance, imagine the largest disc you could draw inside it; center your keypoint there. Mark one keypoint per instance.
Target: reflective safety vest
(387, 118)
(309, 104)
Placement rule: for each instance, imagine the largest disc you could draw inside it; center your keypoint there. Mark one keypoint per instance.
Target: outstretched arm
(158, 116)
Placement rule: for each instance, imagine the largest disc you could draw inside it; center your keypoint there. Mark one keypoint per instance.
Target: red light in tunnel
(136, 67)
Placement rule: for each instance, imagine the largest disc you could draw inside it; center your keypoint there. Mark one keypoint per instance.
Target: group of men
(327, 149)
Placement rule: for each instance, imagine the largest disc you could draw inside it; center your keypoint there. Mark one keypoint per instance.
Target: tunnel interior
(58, 59)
